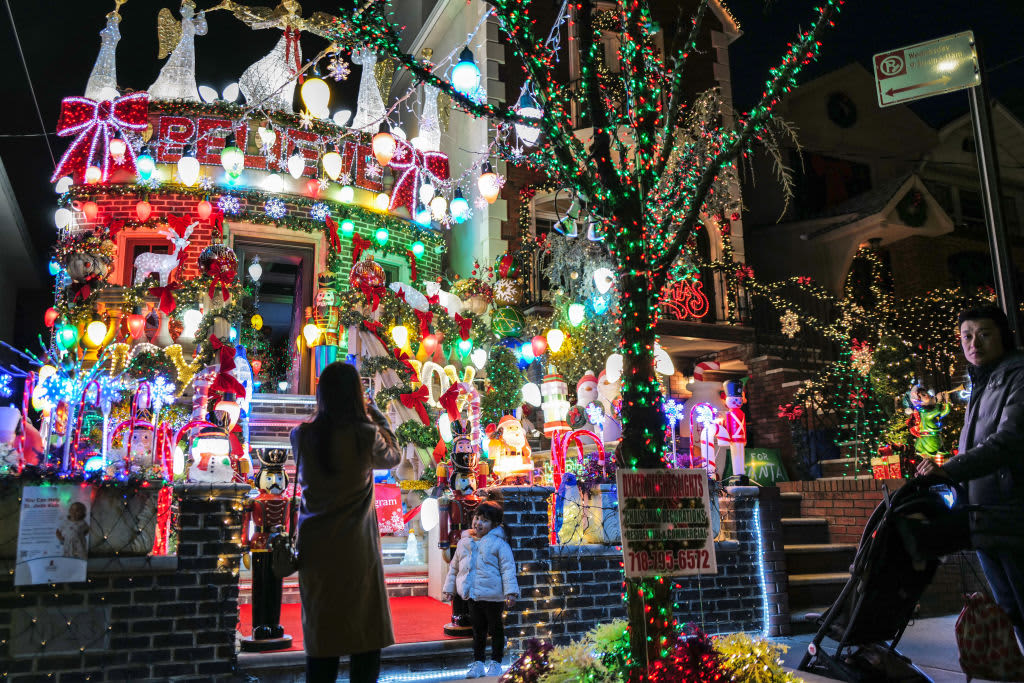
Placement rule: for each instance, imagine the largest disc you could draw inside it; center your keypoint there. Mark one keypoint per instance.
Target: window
(972, 215)
(824, 182)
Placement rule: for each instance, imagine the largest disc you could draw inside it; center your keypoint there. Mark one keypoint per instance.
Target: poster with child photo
(53, 534)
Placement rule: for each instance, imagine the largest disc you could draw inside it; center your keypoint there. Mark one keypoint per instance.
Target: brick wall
(566, 590)
(148, 618)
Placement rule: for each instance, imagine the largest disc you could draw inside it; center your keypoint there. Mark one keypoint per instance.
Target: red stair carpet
(414, 618)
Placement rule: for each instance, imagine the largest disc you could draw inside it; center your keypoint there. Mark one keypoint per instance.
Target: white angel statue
(102, 84)
(177, 79)
(270, 82)
(370, 104)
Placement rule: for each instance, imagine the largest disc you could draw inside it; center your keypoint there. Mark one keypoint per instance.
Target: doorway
(284, 290)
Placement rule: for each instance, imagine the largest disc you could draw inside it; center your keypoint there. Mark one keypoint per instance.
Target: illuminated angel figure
(102, 84)
(177, 79)
(369, 103)
(270, 82)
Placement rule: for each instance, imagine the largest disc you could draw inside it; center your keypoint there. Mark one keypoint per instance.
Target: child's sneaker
(476, 670)
(493, 668)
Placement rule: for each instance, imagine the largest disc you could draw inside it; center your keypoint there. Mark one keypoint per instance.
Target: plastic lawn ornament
(733, 425)
(531, 394)
(555, 403)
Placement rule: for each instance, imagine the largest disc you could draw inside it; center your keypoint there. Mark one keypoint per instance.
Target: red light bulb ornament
(136, 323)
(204, 209)
(50, 317)
(91, 210)
(540, 345)
(383, 146)
(488, 183)
(143, 209)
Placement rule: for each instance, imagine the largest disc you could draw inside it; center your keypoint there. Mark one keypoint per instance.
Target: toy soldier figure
(270, 511)
(457, 516)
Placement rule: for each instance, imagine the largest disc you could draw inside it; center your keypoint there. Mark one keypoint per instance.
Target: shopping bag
(985, 638)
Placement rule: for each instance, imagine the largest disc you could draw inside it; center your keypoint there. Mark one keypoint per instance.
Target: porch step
(791, 504)
(818, 558)
(411, 581)
(804, 530)
(809, 590)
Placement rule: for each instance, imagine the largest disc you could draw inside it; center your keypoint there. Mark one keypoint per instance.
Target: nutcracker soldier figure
(457, 516)
(269, 511)
(325, 315)
(732, 430)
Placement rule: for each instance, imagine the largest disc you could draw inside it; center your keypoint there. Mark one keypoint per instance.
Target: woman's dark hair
(339, 401)
(493, 512)
(996, 315)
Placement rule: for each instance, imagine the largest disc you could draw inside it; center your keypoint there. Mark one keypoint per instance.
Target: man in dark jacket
(991, 455)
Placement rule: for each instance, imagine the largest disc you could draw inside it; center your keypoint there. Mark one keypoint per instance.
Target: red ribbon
(95, 123)
(449, 401)
(434, 299)
(414, 165)
(464, 325)
(223, 274)
(224, 382)
(412, 263)
(372, 295)
(404, 358)
(291, 52)
(82, 290)
(425, 319)
(114, 228)
(505, 264)
(373, 326)
(417, 400)
(166, 294)
(358, 245)
(332, 233)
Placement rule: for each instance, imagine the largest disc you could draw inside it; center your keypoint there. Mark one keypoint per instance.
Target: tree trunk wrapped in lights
(656, 168)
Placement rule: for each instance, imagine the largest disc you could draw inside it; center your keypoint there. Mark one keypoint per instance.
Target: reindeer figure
(148, 263)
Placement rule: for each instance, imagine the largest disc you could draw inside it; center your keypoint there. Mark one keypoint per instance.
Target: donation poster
(666, 528)
(53, 535)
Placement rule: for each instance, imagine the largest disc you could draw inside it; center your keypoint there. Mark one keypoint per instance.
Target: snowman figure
(610, 398)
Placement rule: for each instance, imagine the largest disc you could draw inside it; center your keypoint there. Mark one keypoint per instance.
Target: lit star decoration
(275, 208)
(306, 120)
(862, 357)
(319, 211)
(229, 205)
(790, 323)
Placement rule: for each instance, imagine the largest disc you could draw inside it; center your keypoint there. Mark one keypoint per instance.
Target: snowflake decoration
(373, 170)
(306, 120)
(338, 69)
(704, 414)
(5, 385)
(319, 211)
(275, 208)
(163, 390)
(790, 323)
(229, 205)
(345, 178)
(862, 357)
(595, 413)
(150, 183)
(206, 183)
(324, 183)
(673, 411)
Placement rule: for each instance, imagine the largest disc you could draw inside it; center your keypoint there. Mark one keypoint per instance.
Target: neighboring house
(19, 264)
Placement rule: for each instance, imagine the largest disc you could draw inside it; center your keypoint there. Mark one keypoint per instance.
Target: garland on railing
(424, 436)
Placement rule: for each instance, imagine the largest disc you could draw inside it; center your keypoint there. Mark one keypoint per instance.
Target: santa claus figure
(586, 393)
(514, 456)
(732, 429)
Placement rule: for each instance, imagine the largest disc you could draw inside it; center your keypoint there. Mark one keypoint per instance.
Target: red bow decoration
(332, 233)
(404, 358)
(221, 273)
(82, 290)
(95, 123)
(114, 228)
(412, 263)
(434, 299)
(417, 400)
(372, 295)
(413, 165)
(167, 301)
(224, 382)
(358, 245)
(373, 326)
(425, 319)
(400, 294)
(449, 401)
(464, 325)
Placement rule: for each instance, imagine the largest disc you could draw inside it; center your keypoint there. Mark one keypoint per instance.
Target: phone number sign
(665, 521)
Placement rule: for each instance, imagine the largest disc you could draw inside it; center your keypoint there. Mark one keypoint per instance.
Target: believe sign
(917, 71)
(665, 522)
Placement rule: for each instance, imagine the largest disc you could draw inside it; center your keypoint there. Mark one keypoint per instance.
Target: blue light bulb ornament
(347, 228)
(465, 74)
(418, 248)
(145, 164)
(54, 267)
(422, 215)
(526, 351)
(459, 207)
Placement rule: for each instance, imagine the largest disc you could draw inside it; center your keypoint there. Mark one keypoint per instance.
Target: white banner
(53, 534)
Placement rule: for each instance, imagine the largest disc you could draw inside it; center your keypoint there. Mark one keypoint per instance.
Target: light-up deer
(148, 263)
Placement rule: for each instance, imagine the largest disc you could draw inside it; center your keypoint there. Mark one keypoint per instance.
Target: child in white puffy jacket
(483, 572)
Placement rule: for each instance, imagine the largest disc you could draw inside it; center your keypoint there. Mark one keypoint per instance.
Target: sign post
(665, 521)
(940, 66)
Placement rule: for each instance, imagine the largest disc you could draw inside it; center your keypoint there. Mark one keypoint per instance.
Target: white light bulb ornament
(188, 167)
(466, 74)
(296, 165)
(528, 108)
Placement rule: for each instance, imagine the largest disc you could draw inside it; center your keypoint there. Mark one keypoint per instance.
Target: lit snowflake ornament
(206, 183)
(275, 208)
(338, 69)
(6, 388)
(306, 120)
(790, 323)
(319, 211)
(229, 205)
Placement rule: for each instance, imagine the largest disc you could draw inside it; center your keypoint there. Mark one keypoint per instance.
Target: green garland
(236, 112)
(423, 436)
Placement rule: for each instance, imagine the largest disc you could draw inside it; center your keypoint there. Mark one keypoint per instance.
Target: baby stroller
(896, 560)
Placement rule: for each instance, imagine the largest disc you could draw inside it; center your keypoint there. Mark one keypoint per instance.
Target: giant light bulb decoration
(459, 207)
(528, 108)
(188, 167)
(604, 278)
(316, 95)
(466, 74)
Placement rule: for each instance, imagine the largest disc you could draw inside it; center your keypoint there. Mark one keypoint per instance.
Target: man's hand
(446, 597)
(510, 600)
(928, 468)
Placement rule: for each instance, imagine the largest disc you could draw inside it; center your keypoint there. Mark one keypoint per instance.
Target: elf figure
(927, 415)
(732, 430)
(271, 512)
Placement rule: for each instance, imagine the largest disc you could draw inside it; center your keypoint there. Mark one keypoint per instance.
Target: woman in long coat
(341, 575)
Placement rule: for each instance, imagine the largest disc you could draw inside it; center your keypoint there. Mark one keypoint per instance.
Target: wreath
(913, 209)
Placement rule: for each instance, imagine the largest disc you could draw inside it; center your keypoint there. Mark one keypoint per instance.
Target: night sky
(61, 40)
